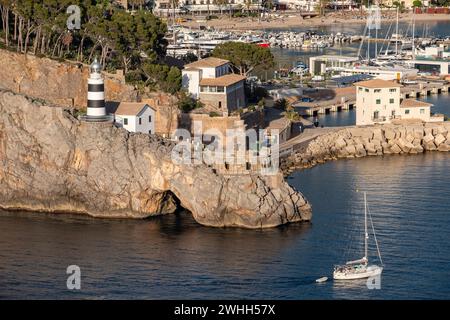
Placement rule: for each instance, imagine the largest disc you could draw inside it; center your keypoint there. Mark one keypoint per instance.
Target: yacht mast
(396, 35)
(366, 235)
(413, 36)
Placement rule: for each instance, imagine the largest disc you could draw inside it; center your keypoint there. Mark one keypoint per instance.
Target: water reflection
(174, 257)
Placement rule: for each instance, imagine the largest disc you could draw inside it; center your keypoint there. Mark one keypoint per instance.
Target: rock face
(50, 161)
(57, 82)
(370, 141)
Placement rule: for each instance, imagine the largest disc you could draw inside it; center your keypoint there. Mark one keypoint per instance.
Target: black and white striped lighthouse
(96, 93)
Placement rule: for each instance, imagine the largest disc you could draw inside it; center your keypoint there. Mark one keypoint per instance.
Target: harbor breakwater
(52, 162)
(356, 142)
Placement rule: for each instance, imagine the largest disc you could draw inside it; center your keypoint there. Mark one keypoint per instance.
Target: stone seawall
(370, 141)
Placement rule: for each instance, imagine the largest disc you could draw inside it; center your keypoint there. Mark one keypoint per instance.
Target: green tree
(186, 103)
(417, 3)
(292, 115)
(173, 80)
(161, 76)
(120, 39)
(245, 57)
(281, 104)
(5, 7)
(248, 4)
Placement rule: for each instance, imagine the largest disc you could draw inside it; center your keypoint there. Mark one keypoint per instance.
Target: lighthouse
(96, 93)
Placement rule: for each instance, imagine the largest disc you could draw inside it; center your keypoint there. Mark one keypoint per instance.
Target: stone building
(211, 81)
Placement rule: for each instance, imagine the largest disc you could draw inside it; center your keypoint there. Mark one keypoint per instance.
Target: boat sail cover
(362, 260)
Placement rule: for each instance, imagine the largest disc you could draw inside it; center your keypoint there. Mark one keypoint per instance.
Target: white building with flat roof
(324, 63)
(164, 7)
(379, 101)
(384, 73)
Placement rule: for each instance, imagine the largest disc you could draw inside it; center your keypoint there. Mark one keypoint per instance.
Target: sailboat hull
(370, 271)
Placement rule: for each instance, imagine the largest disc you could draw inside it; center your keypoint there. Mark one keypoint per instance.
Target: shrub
(186, 103)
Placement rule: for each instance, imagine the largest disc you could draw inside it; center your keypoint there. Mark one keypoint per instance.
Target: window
(407, 111)
(360, 89)
(149, 118)
(378, 101)
(391, 100)
(220, 104)
(377, 90)
(149, 131)
(422, 111)
(220, 89)
(392, 90)
(140, 120)
(376, 114)
(125, 121)
(367, 90)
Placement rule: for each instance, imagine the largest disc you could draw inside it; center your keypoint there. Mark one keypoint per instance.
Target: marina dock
(333, 100)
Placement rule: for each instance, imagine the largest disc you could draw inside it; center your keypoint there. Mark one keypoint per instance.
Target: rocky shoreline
(52, 162)
(356, 142)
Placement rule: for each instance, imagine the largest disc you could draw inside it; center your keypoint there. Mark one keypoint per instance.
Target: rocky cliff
(51, 162)
(61, 83)
(371, 140)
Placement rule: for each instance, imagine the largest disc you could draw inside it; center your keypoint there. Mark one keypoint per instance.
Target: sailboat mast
(366, 234)
(413, 35)
(396, 35)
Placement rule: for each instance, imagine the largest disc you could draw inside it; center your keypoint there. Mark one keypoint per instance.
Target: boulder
(429, 146)
(438, 139)
(395, 149)
(350, 150)
(378, 134)
(371, 150)
(340, 143)
(428, 138)
(360, 150)
(389, 133)
(404, 145)
(361, 132)
(444, 147)
(410, 137)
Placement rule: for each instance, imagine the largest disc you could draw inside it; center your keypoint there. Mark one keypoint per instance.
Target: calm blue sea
(172, 257)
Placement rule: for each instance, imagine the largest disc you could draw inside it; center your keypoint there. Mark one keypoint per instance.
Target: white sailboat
(360, 269)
